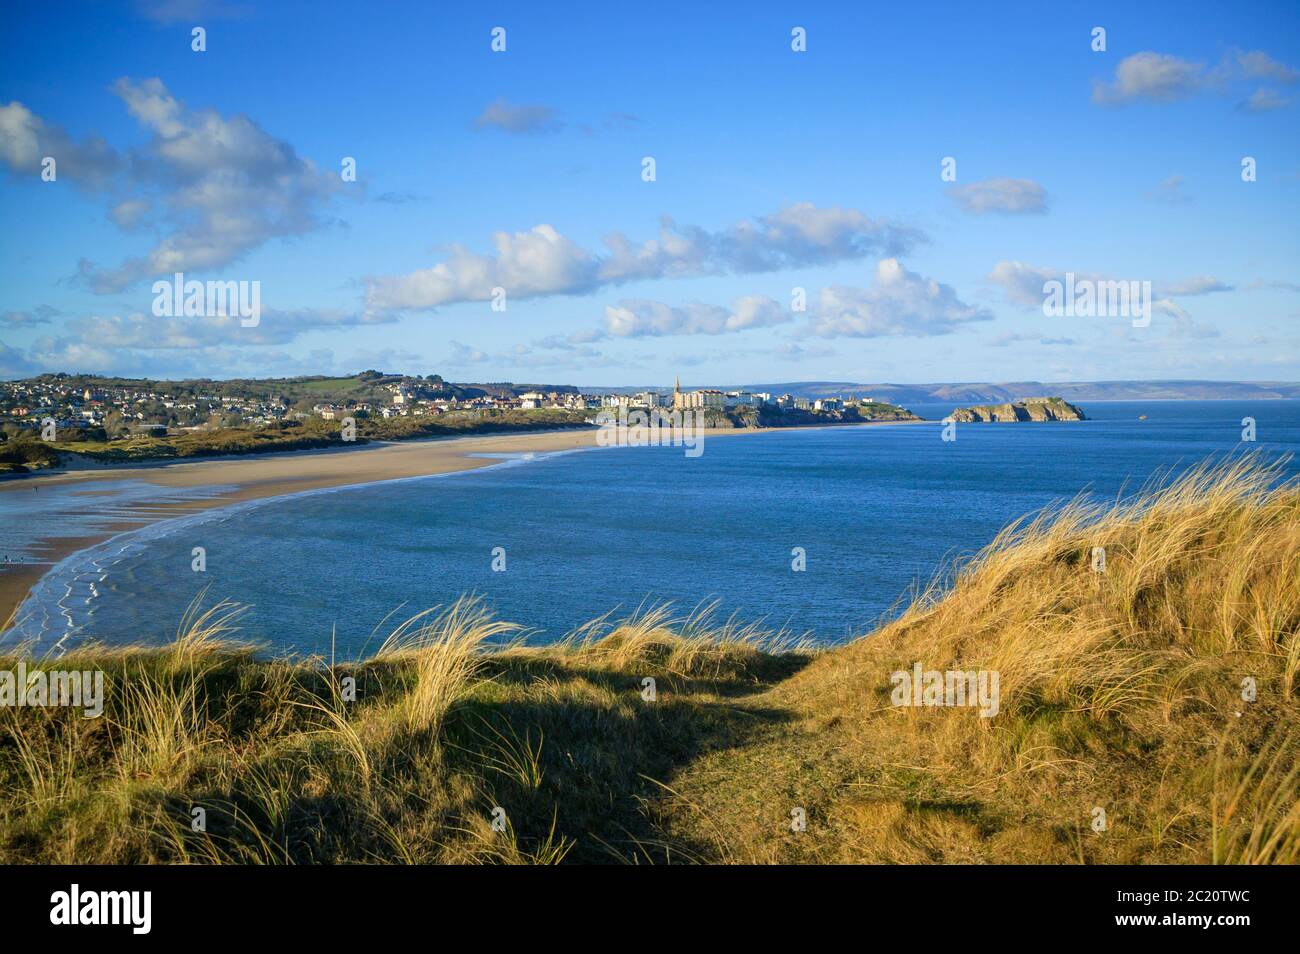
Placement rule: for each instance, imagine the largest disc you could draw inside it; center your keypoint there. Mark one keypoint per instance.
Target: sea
(821, 532)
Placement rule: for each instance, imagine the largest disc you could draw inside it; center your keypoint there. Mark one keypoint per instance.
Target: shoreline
(261, 476)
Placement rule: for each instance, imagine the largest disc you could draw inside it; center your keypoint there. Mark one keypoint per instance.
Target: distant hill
(1003, 392)
(364, 386)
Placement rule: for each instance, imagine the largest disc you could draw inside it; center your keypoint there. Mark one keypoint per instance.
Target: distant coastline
(1182, 389)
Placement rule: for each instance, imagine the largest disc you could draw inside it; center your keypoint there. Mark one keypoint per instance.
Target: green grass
(1120, 690)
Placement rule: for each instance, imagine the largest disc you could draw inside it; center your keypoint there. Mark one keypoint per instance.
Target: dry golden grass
(1120, 691)
(445, 647)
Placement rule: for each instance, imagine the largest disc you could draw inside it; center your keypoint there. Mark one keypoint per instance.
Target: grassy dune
(1120, 690)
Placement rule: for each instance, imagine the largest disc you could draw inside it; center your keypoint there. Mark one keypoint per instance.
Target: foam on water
(63, 604)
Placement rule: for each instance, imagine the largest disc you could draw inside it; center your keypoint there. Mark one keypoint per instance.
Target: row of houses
(137, 408)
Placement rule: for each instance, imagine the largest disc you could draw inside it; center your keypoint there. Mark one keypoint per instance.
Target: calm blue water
(876, 509)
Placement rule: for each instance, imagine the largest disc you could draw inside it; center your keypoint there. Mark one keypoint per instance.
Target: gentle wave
(62, 603)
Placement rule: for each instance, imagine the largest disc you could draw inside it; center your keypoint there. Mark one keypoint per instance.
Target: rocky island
(1028, 409)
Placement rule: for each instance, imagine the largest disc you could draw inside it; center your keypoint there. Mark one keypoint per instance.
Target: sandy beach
(273, 475)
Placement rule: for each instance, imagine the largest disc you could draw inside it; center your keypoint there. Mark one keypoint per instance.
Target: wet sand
(273, 475)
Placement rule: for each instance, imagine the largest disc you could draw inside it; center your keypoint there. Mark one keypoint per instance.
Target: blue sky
(775, 170)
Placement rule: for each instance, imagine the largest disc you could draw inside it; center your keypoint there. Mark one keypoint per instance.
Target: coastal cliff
(1029, 409)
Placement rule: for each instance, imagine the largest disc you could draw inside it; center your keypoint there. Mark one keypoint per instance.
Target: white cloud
(77, 356)
(1000, 195)
(1197, 285)
(543, 262)
(1023, 284)
(26, 140)
(40, 315)
(1170, 191)
(547, 354)
(528, 264)
(15, 363)
(462, 355)
(398, 198)
(898, 302)
(1184, 327)
(1264, 101)
(150, 345)
(1005, 340)
(130, 213)
(150, 332)
(186, 11)
(1156, 76)
(793, 351)
(1256, 64)
(803, 234)
(216, 186)
(640, 318)
(517, 118)
(225, 186)
(1164, 78)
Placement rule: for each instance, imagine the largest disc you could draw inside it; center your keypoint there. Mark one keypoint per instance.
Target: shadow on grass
(571, 752)
(591, 771)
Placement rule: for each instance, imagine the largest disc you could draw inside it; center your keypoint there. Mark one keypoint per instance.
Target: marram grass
(1122, 692)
